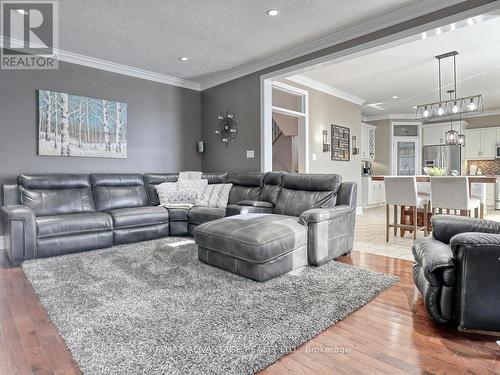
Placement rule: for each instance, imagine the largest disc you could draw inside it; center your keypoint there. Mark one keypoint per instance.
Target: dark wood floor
(390, 335)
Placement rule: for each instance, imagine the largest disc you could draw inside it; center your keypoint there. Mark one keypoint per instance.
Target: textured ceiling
(216, 35)
(410, 71)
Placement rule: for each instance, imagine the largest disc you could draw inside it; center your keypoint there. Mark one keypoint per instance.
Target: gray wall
(163, 122)
(242, 96)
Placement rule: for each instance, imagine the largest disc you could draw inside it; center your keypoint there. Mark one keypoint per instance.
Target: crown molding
(388, 19)
(391, 116)
(327, 89)
(110, 66)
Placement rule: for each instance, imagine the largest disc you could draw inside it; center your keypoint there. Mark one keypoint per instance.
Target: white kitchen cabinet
(367, 144)
(376, 193)
(480, 143)
(488, 143)
(473, 144)
(435, 134)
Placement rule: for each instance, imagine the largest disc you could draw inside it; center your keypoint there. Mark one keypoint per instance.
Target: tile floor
(370, 234)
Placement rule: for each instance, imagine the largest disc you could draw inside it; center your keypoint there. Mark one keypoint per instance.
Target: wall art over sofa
(73, 125)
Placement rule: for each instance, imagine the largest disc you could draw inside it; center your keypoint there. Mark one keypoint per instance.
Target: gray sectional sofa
(53, 214)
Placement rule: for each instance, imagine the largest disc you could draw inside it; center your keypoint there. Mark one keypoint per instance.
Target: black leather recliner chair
(458, 272)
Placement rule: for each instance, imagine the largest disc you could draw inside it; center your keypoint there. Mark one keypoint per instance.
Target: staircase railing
(276, 132)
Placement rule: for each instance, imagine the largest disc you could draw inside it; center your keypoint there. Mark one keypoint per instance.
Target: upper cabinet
(434, 134)
(367, 144)
(481, 143)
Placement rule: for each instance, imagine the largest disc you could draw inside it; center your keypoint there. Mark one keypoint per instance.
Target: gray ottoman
(257, 246)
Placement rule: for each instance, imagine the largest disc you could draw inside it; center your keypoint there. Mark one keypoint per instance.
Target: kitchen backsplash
(488, 167)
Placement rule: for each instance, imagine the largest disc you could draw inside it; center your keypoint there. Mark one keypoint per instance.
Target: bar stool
(452, 194)
(402, 191)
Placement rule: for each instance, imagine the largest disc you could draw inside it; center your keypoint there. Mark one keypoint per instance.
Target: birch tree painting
(72, 125)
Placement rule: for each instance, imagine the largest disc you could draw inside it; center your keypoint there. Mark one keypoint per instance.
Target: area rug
(153, 308)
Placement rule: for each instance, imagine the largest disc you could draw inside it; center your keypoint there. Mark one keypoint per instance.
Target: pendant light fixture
(453, 106)
(451, 136)
(460, 137)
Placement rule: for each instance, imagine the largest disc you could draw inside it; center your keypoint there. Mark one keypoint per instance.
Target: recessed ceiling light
(21, 11)
(184, 58)
(273, 12)
(395, 97)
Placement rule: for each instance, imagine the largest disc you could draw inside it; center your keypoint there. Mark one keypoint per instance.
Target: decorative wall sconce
(355, 148)
(326, 144)
(227, 127)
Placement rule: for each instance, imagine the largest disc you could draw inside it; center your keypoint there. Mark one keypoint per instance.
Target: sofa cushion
(139, 216)
(199, 215)
(271, 187)
(178, 214)
(114, 190)
(246, 186)
(54, 194)
(302, 192)
(255, 238)
(69, 224)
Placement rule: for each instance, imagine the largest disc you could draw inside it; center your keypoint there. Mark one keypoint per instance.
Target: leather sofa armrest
(445, 227)
(255, 204)
(475, 240)
(19, 230)
(437, 261)
(478, 285)
(317, 215)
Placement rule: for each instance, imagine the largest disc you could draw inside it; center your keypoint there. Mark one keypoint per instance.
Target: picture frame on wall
(73, 125)
(341, 143)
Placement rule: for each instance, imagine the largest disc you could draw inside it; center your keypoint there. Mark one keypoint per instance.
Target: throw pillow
(192, 185)
(215, 195)
(178, 198)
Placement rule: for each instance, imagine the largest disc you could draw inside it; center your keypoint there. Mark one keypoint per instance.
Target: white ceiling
(410, 70)
(216, 35)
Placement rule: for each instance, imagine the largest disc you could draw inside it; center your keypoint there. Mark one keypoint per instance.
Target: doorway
(290, 129)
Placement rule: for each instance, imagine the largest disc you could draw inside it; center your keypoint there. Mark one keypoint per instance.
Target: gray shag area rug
(153, 308)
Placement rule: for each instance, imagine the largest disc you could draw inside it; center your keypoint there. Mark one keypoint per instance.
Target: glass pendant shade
(451, 137)
(461, 140)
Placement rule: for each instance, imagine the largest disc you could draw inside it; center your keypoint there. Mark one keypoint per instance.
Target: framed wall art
(73, 125)
(341, 143)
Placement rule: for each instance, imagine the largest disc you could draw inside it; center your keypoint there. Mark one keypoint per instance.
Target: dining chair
(401, 191)
(452, 194)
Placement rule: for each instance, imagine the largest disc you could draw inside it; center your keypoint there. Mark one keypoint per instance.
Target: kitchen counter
(472, 179)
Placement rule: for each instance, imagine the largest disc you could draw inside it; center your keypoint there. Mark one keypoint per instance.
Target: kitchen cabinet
(480, 143)
(434, 135)
(376, 192)
(367, 142)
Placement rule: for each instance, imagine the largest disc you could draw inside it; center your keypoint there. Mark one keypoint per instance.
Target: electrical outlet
(250, 154)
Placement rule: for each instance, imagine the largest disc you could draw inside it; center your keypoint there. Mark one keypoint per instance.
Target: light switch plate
(314, 156)
(250, 154)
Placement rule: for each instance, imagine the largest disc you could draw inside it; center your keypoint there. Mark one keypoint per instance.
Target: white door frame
(302, 122)
(266, 80)
(418, 146)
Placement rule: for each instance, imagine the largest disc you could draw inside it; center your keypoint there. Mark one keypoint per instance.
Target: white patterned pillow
(192, 185)
(177, 198)
(215, 195)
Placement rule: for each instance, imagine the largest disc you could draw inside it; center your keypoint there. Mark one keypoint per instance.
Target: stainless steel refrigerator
(443, 156)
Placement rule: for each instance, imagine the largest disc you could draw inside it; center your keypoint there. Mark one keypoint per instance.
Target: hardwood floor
(390, 335)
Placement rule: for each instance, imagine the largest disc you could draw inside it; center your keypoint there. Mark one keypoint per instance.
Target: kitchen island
(472, 179)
